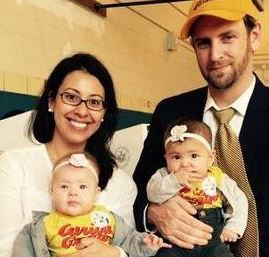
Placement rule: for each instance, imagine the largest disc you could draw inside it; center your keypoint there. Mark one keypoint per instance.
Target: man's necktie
(230, 159)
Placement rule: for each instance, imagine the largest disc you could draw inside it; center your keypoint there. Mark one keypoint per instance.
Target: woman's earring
(50, 110)
(102, 119)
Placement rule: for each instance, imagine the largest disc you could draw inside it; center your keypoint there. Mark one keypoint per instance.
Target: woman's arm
(11, 215)
(119, 195)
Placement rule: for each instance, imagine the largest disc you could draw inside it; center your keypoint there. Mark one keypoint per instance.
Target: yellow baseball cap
(232, 10)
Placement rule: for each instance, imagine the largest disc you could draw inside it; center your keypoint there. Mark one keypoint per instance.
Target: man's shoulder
(260, 97)
(260, 88)
(187, 103)
(196, 94)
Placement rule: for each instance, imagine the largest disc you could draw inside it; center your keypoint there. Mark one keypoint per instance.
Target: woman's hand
(92, 247)
(174, 220)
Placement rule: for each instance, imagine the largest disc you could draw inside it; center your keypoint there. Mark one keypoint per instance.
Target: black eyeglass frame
(82, 101)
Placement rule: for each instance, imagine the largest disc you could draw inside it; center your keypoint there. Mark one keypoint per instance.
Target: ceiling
(170, 17)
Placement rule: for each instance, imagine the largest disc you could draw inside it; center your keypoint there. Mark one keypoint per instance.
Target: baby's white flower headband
(178, 133)
(79, 160)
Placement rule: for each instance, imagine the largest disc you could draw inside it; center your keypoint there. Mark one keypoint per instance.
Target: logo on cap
(199, 3)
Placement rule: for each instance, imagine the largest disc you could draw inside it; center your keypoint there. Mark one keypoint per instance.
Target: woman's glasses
(92, 103)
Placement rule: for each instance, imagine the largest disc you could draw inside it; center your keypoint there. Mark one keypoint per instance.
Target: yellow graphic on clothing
(205, 194)
(64, 232)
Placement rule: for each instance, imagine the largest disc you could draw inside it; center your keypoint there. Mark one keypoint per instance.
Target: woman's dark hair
(42, 123)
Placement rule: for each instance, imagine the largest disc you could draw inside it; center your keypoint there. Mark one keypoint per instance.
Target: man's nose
(216, 51)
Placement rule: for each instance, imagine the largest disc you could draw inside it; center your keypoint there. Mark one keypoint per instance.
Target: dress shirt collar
(240, 104)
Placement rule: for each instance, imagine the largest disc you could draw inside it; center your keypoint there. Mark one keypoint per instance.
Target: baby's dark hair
(193, 126)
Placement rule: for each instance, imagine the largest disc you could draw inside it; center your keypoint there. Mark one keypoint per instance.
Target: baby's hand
(228, 236)
(154, 242)
(185, 178)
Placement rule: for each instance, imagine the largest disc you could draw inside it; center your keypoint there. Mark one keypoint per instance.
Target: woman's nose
(82, 109)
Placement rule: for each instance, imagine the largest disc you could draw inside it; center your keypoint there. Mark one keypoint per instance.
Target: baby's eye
(176, 157)
(194, 155)
(63, 186)
(83, 187)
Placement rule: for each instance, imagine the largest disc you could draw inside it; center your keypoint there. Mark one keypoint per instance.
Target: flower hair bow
(78, 160)
(178, 133)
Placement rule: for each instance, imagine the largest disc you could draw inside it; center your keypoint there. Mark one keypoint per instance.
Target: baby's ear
(97, 192)
(212, 156)
(50, 190)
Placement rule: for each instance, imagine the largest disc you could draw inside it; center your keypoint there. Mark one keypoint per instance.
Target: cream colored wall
(36, 34)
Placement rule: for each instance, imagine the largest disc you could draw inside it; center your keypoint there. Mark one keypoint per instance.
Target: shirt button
(44, 252)
(202, 214)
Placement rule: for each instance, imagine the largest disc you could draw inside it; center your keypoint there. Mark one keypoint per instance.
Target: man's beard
(229, 78)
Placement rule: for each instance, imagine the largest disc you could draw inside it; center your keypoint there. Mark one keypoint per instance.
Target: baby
(76, 220)
(190, 173)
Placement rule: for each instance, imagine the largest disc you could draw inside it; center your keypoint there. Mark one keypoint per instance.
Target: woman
(76, 112)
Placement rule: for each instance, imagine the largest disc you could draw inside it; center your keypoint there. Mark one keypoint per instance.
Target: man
(224, 35)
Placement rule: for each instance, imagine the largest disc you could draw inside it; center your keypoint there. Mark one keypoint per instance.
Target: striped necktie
(230, 159)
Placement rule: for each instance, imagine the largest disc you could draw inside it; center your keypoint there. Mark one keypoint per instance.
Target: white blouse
(25, 175)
